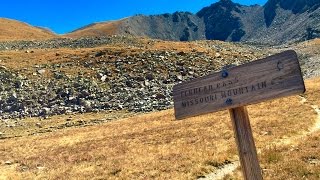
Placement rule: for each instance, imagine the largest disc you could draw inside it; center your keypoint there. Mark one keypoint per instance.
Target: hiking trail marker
(261, 80)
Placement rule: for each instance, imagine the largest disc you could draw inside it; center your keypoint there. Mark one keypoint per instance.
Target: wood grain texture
(273, 77)
(246, 147)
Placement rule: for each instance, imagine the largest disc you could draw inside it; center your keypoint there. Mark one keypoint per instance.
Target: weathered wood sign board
(273, 77)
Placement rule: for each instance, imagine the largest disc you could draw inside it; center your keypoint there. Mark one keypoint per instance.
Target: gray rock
(129, 84)
(41, 71)
(39, 125)
(100, 53)
(85, 103)
(8, 162)
(179, 77)
(29, 51)
(150, 77)
(58, 75)
(103, 78)
(160, 96)
(140, 78)
(147, 83)
(46, 111)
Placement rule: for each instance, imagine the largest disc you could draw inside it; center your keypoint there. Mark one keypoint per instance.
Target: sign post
(269, 78)
(246, 147)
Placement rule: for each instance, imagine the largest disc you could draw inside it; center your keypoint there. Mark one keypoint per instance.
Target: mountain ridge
(277, 22)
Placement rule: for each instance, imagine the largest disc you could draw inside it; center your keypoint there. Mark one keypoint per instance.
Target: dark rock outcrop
(277, 22)
(222, 21)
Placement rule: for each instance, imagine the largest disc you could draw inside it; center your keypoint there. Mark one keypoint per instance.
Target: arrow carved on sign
(280, 65)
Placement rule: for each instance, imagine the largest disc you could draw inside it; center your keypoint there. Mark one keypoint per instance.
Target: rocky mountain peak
(226, 2)
(222, 23)
(226, 5)
(296, 6)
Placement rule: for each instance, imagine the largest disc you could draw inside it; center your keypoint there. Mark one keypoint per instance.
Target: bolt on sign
(261, 80)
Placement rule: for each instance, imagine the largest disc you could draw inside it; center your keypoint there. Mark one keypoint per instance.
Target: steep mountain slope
(296, 6)
(291, 20)
(279, 21)
(15, 30)
(180, 26)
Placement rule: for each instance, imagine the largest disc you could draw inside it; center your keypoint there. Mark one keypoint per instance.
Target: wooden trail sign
(273, 77)
(269, 78)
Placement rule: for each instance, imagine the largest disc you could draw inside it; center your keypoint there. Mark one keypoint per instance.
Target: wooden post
(246, 147)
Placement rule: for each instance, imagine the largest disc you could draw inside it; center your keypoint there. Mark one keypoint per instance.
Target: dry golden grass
(314, 42)
(309, 48)
(313, 92)
(294, 162)
(144, 146)
(15, 30)
(35, 125)
(96, 30)
(299, 161)
(20, 59)
(17, 60)
(26, 62)
(175, 46)
(317, 41)
(154, 146)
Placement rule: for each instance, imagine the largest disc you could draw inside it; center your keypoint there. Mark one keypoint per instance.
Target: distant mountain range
(278, 21)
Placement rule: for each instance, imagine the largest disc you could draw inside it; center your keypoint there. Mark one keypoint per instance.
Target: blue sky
(63, 16)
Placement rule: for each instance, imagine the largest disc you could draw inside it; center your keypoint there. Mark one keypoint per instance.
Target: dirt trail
(230, 168)
(316, 127)
(223, 171)
(316, 108)
(295, 139)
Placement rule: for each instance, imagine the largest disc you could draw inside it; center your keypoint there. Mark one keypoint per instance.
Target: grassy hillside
(155, 146)
(96, 30)
(15, 30)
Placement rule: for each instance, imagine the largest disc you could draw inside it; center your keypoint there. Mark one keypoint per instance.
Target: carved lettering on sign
(215, 95)
(208, 88)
